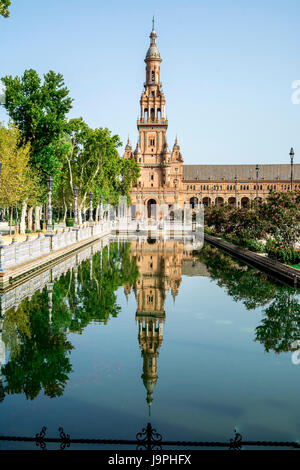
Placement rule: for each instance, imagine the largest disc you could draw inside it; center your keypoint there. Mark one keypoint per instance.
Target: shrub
(69, 222)
(278, 251)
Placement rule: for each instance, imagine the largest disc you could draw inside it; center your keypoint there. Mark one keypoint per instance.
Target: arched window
(153, 75)
(146, 113)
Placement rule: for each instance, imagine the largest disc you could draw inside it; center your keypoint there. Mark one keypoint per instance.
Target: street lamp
(235, 187)
(257, 170)
(49, 221)
(91, 207)
(108, 209)
(292, 154)
(75, 193)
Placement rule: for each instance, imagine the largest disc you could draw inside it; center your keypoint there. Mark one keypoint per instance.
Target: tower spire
(153, 23)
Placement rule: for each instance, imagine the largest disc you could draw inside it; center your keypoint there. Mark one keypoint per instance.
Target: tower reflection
(160, 263)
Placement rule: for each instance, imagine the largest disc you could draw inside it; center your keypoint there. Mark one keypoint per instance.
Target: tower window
(152, 142)
(152, 177)
(153, 94)
(153, 75)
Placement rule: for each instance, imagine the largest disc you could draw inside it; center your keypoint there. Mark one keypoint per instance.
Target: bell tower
(161, 174)
(152, 124)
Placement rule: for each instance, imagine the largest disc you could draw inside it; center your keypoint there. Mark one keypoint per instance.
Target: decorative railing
(17, 253)
(149, 440)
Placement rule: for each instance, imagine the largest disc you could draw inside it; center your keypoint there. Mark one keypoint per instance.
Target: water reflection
(38, 315)
(34, 330)
(280, 325)
(160, 263)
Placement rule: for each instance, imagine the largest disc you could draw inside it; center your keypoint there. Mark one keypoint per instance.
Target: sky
(227, 71)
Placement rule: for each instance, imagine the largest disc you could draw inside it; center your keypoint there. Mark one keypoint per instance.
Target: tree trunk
(29, 218)
(37, 218)
(79, 214)
(23, 217)
(66, 211)
(11, 220)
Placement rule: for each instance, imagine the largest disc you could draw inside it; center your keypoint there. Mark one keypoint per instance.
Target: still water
(129, 332)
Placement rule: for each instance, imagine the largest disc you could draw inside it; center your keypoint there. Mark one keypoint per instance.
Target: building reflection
(161, 264)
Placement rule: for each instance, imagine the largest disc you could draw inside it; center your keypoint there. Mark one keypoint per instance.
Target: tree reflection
(280, 326)
(251, 287)
(38, 339)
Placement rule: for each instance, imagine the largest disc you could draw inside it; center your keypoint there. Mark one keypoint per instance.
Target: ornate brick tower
(161, 170)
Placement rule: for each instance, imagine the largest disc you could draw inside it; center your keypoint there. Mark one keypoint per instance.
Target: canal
(143, 330)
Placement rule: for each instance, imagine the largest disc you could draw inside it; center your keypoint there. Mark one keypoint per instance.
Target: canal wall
(277, 270)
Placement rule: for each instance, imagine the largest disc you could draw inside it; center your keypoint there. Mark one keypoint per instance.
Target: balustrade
(18, 253)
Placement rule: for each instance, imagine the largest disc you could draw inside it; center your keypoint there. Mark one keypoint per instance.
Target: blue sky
(227, 69)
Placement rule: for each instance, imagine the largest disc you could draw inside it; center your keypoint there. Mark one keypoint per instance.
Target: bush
(28, 231)
(281, 253)
(252, 245)
(69, 222)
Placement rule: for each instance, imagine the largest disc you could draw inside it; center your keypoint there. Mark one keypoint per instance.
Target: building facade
(164, 178)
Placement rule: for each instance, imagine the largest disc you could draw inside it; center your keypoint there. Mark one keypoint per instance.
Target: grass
(296, 266)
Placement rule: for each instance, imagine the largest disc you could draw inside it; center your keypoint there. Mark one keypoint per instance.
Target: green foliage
(4, 8)
(280, 325)
(19, 182)
(277, 219)
(69, 222)
(277, 250)
(39, 109)
(93, 164)
(40, 350)
(244, 284)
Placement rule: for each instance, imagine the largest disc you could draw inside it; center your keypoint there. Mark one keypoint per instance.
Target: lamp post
(91, 207)
(235, 188)
(292, 154)
(257, 170)
(49, 221)
(108, 210)
(75, 193)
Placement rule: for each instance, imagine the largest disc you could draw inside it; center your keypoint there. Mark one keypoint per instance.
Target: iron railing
(148, 439)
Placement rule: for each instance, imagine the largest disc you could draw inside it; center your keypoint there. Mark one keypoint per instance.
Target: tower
(161, 169)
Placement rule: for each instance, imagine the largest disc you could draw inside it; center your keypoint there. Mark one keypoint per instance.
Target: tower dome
(153, 52)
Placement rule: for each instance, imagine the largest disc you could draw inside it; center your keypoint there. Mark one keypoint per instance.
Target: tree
(282, 212)
(39, 109)
(93, 164)
(40, 350)
(19, 183)
(4, 8)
